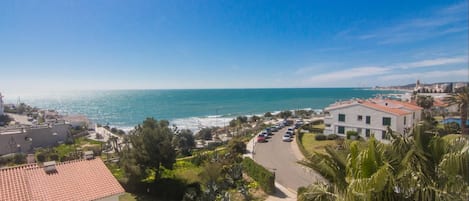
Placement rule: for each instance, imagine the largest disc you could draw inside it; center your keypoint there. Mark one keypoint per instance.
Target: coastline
(191, 109)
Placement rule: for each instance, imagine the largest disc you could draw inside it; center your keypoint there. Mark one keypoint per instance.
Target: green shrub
(332, 136)
(317, 122)
(316, 130)
(352, 133)
(264, 177)
(320, 137)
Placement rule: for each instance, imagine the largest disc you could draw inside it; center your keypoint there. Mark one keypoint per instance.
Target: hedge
(332, 136)
(299, 142)
(264, 177)
(320, 137)
(351, 133)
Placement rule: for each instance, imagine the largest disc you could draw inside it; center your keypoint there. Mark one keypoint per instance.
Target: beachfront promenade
(281, 158)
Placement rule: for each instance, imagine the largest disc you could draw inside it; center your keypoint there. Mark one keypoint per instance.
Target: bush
(332, 136)
(264, 177)
(41, 157)
(352, 133)
(317, 122)
(316, 130)
(236, 146)
(320, 137)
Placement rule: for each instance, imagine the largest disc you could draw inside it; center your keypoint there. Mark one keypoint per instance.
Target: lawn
(312, 145)
(319, 126)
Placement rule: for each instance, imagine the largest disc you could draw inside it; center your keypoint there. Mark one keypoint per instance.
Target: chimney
(88, 155)
(49, 167)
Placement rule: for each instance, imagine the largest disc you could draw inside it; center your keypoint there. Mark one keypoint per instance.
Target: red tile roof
(385, 105)
(74, 180)
(395, 111)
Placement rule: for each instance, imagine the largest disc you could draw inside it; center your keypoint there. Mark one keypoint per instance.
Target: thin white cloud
(349, 74)
(448, 20)
(455, 8)
(431, 75)
(433, 62)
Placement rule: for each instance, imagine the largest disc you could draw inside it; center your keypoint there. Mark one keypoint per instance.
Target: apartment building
(371, 117)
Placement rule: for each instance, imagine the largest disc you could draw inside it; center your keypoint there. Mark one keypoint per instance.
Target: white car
(286, 138)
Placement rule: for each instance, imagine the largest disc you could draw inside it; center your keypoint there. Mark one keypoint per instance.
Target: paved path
(282, 158)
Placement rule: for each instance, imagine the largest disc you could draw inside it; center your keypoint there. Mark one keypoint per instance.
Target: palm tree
(426, 102)
(421, 166)
(461, 98)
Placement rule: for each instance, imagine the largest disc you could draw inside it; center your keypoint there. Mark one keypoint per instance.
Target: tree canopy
(151, 149)
(461, 99)
(204, 134)
(184, 141)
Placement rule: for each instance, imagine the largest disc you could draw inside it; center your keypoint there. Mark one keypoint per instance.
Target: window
(368, 119)
(367, 132)
(359, 131)
(328, 125)
(383, 135)
(359, 118)
(386, 121)
(342, 117)
(413, 115)
(405, 120)
(341, 130)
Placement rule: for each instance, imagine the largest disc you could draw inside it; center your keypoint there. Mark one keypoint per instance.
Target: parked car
(286, 138)
(268, 131)
(290, 133)
(273, 129)
(261, 138)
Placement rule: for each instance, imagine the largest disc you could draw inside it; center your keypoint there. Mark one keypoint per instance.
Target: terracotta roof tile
(407, 105)
(74, 180)
(383, 108)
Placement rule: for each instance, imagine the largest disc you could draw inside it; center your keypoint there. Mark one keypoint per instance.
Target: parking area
(277, 155)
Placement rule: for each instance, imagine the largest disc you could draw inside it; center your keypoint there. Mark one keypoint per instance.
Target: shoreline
(194, 110)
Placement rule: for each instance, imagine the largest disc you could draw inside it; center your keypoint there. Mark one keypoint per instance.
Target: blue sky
(112, 44)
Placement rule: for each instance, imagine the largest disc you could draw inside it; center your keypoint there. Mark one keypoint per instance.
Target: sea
(187, 108)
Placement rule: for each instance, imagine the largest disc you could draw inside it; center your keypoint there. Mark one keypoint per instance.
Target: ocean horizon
(187, 108)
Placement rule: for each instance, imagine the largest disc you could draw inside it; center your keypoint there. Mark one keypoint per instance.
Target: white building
(371, 116)
(1, 105)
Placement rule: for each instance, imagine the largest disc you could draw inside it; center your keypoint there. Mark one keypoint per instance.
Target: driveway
(281, 157)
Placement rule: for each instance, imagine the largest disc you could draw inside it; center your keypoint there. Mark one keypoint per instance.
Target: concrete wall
(13, 142)
(32, 138)
(47, 137)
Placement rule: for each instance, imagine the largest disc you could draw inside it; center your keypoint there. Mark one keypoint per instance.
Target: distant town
(419, 87)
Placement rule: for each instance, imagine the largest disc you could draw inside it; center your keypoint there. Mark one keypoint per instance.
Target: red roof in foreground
(74, 180)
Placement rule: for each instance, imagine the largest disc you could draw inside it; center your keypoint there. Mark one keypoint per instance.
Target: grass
(64, 150)
(83, 141)
(319, 126)
(116, 171)
(311, 145)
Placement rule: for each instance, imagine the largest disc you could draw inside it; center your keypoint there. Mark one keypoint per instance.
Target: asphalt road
(278, 156)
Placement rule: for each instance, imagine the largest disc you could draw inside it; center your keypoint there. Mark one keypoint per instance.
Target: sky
(121, 44)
